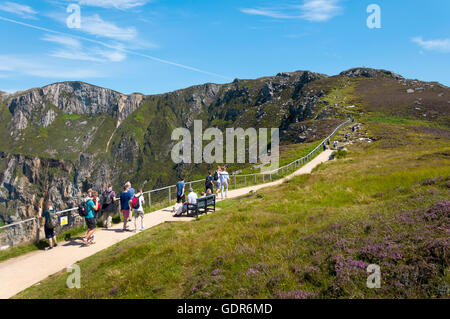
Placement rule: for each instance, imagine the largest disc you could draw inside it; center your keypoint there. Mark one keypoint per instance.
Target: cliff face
(70, 98)
(64, 138)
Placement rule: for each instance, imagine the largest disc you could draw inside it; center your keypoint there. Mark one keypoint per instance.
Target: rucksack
(107, 197)
(52, 220)
(216, 176)
(136, 203)
(82, 209)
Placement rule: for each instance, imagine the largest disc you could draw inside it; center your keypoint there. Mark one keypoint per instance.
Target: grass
(309, 237)
(392, 119)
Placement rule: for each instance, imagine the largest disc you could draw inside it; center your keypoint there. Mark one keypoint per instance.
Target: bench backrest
(203, 202)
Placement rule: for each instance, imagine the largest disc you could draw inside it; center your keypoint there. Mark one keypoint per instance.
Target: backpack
(216, 176)
(136, 203)
(52, 221)
(82, 209)
(107, 197)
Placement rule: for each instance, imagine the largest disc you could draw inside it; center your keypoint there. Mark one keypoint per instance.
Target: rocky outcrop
(70, 98)
(370, 73)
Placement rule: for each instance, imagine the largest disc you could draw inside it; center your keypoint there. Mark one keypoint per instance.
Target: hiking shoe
(55, 245)
(143, 228)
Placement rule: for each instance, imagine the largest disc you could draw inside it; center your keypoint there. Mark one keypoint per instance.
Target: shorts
(91, 223)
(126, 214)
(217, 183)
(49, 233)
(138, 213)
(181, 198)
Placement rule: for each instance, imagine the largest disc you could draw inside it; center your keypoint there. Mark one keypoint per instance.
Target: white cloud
(95, 25)
(266, 13)
(28, 66)
(118, 4)
(22, 10)
(73, 50)
(440, 45)
(63, 40)
(310, 10)
(320, 10)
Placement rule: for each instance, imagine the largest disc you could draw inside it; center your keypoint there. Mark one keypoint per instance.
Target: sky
(157, 46)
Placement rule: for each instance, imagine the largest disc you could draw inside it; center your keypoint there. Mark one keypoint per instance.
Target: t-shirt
(224, 177)
(125, 200)
(209, 181)
(90, 209)
(180, 186)
(131, 191)
(192, 198)
(141, 203)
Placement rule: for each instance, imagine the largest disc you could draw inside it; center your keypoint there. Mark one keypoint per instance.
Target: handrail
(201, 180)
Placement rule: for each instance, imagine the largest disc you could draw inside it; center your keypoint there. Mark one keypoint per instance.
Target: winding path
(19, 273)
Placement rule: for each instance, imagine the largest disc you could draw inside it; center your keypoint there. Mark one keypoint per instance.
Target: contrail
(150, 57)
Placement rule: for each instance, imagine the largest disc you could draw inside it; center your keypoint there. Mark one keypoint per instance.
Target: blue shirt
(131, 191)
(90, 208)
(180, 186)
(125, 200)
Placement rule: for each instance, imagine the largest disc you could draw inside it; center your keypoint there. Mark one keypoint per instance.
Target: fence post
(245, 180)
(255, 178)
(264, 180)
(234, 181)
(270, 176)
(169, 195)
(150, 200)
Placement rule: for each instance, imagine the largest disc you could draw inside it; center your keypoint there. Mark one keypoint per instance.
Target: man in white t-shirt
(192, 197)
(224, 179)
(138, 203)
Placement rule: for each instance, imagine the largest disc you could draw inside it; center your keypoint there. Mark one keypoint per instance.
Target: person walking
(125, 199)
(91, 221)
(181, 197)
(108, 206)
(137, 203)
(217, 179)
(209, 183)
(224, 179)
(49, 227)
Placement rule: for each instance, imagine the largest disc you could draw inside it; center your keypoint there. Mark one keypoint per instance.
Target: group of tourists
(219, 180)
(131, 205)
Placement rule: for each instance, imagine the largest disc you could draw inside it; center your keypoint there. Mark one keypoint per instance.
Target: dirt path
(19, 273)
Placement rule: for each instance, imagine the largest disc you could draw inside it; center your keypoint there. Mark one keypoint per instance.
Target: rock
(71, 98)
(48, 118)
(409, 91)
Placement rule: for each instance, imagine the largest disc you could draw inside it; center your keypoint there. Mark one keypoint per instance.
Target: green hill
(382, 202)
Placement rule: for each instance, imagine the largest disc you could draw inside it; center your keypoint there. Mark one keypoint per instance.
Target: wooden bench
(204, 204)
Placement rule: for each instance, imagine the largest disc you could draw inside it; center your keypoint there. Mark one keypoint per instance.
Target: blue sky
(156, 46)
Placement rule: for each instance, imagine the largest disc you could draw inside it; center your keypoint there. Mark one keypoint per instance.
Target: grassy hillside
(312, 237)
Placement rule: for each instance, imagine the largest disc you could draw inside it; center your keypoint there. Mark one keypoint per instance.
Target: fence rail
(284, 170)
